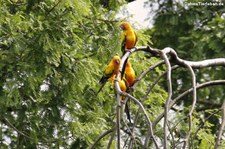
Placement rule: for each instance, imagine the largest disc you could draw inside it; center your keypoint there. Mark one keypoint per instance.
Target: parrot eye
(122, 27)
(117, 61)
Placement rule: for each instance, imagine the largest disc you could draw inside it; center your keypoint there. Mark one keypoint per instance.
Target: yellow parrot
(128, 40)
(111, 69)
(130, 74)
(123, 86)
(128, 37)
(122, 83)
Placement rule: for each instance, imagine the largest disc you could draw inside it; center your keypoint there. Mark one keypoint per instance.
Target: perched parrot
(111, 69)
(128, 40)
(128, 37)
(122, 83)
(130, 74)
(123, 86)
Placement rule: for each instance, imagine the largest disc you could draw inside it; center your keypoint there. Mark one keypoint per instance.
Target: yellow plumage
(111, 69)
(128, 40)
(130, 74)
(128, 37)
(122, 83)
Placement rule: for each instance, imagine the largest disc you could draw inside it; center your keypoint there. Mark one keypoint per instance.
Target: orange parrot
(128, 40)
(111, 69)
(130, 74)
(123, 86)
(122, 83)
(131, 78)
(128, 37)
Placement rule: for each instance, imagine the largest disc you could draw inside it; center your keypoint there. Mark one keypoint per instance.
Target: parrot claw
(130, 89)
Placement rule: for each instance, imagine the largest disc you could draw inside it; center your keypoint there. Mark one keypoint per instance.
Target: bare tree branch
(171, 134)
(118, 118)
(119, 92)
(148, 120)
(111, 138)
(145, 97)
(221, 126)
(203, 122)
(8, 123)
(169, 85)
(147, 71)
(102, 136)
(175, 59)
(169, 56)
(199, 86)
(193, 104)
(129, 132)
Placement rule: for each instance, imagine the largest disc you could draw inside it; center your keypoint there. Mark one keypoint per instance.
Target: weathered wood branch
(178, 61)
(174, 101)
(193, 104)
(119, 93)
(102, 136)
(221, 130)
(169, 57)
(170, 91)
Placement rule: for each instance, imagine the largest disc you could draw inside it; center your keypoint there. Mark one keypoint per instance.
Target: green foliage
(48, 73)
(207, 139)
(196, 33)
(52, 54)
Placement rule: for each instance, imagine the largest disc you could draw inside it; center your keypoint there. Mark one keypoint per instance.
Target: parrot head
(124, 25)
(116, 59)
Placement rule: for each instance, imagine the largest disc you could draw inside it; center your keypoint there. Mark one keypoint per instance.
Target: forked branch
(169, 58)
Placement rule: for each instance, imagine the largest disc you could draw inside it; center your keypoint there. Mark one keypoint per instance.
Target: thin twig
(102, 136)
(203, 123)
(48, 12)
(118, 118)
(145, 97)
(111, 138)
(143, 74)
(171, 134)
(178, 61)
(148, 120)
(221, 126)
(199, 86)
(129, 132)
(169, 84)
(8, 123)
(119, 92)
(193, 103)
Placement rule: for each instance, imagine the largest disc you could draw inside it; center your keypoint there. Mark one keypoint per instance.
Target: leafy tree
(196, 33)
(51, 57)
(50, 51)
(52, 54)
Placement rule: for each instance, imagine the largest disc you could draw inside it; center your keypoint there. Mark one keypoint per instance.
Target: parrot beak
(122, 27)
(118, 62)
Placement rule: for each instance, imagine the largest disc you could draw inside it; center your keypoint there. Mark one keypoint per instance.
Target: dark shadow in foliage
(79, 143)
(30, 4)
(106, 3)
